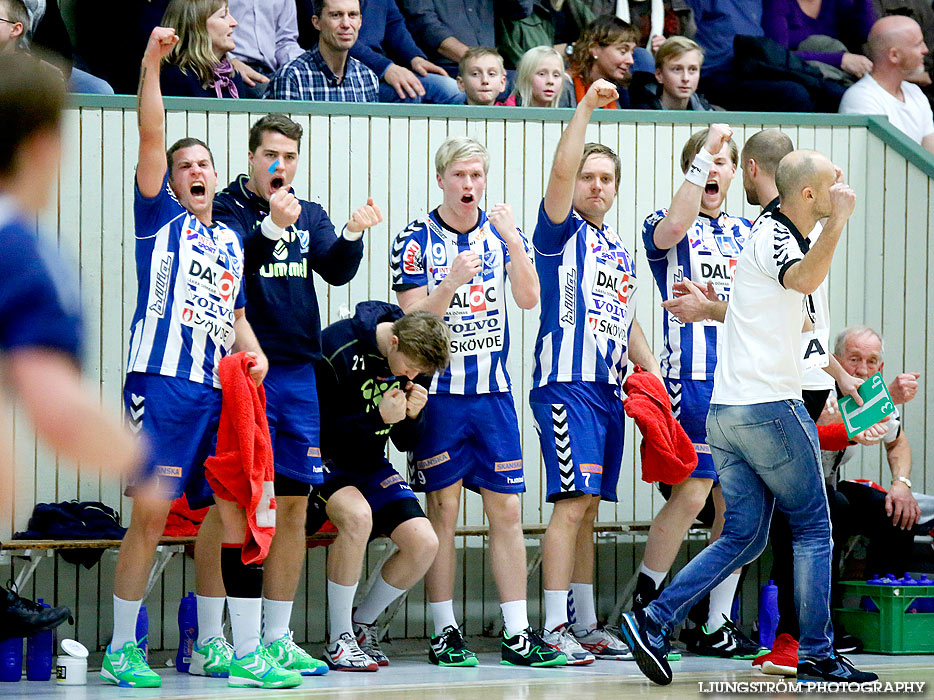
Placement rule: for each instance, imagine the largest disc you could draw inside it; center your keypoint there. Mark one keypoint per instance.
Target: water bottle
(768, 614)
(876, 580)
(187, 631)
(11, 659)
(39, 649)
(142, 631)
(925, 605)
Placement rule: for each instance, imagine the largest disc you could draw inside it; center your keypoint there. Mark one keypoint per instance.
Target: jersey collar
(803, 242)
(446, 228)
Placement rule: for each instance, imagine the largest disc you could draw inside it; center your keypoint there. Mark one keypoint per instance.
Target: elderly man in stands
(326, 72)
(897, 50)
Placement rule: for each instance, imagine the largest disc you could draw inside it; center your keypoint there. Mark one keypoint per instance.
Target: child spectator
(604, 50)
(482, 75)
(674, 84)
(198, 66)
(540, 80)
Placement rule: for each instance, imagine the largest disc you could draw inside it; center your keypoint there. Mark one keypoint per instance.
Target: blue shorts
(580, 428)
(294, 421)
(470, 438)
(179, 419)
(690, 402)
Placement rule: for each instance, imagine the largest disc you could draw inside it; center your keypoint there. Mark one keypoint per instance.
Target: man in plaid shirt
(326, 73)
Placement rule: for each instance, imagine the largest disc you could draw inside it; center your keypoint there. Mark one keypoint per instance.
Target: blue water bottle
(11, 659)
(39, 650)
(768, 614)
(142, 631)
(187, 631)
(925, 605)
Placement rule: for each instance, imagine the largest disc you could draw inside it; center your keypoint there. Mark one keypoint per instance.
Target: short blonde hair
(457, 148)
(676, 46)
(528, 67)
(478, 52)
(696, 142)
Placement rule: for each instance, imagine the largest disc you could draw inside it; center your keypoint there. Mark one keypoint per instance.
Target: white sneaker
(562, 640)
(346, 655)
(603, 644)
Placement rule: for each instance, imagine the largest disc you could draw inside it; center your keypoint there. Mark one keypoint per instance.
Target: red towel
(241, 469)
(182, 520)
(667, 452)
(833, 437)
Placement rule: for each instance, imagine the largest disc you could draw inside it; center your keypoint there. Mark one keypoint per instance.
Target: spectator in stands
(482, 76)
(897, 50)
(198, 65)
(445, 30)
(405, 75)
(267, 39)
(555, 23)
(820, 31)
(604, 51)
(540, 80)
(326, 72)
(674, 84)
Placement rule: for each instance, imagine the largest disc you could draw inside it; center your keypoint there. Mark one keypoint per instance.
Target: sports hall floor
(411, 677)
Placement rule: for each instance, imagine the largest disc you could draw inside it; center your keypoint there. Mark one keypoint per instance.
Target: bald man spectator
(897, 50)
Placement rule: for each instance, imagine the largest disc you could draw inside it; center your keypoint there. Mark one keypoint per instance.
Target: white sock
(245, 618)
(276, 617)
(585, 614)
(210, 618)
(515, 617)
(721, 602)
(556, 609)
(442, 613)
(125, 614)
(657, 576)
(340, 604)
(379, 598)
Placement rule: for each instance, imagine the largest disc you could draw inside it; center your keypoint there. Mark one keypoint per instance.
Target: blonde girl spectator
(540, 80)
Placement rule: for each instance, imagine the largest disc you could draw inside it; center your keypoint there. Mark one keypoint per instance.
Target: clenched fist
(365, 217)
(284, 208)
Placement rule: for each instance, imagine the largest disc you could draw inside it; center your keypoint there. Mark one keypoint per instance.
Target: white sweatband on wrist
(350, 235)
(271, 229)
(700, 168)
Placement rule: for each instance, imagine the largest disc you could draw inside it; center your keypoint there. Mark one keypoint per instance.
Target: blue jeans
(766, 455)
(439, 90)
(82, 81)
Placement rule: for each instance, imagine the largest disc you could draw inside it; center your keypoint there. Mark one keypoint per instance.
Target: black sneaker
(847, 644)
(728, 642)
(649, 645)
(450, 649)
(21, 617)
(528, 649)
(836, 669)
(645, 593)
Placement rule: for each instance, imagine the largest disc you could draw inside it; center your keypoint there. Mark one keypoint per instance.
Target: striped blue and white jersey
(421, 257)
(707, 253)
(588, 284)
(189, 279)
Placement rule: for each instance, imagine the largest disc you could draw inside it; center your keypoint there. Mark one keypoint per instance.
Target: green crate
(891, 630)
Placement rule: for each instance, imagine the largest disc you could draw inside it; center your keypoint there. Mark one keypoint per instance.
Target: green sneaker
(450, 649)
(293, 658)
(260, 670)
(213, 659)
(529, 649)
(128, 668)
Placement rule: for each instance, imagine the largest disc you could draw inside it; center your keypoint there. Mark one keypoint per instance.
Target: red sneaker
(782, 660)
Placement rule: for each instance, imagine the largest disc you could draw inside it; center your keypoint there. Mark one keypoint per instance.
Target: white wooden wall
(880, 277)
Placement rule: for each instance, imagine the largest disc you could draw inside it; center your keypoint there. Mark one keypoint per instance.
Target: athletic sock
(245, 615)
(340, 604)
(556, 609)
(721, 602)
(379, 598)
(244, 584)
(125, 614)
(658, 577)
(442, 613)
(276, 617)
(210, 618)
(515, 617)
(581, 603)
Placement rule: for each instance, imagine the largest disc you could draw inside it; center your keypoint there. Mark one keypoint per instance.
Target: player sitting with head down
(365, 384)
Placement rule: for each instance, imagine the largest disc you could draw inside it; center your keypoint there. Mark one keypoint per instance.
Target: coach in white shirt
(897, 49)
(763, 442)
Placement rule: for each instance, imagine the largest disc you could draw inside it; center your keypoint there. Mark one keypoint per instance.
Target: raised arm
(150, 113)
(560, 193)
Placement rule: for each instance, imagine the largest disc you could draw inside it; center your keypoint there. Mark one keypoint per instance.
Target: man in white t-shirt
(762, 440)
(897, 49)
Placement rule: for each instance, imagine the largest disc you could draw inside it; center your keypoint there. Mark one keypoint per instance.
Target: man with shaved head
(763, 442)
(897, 50)
(761, 155)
